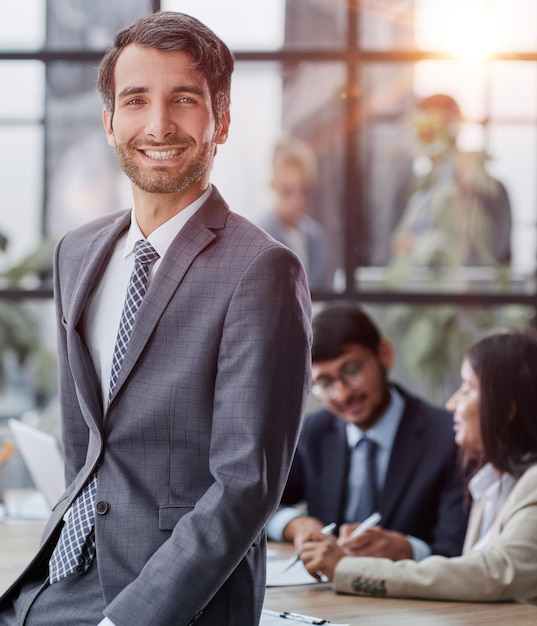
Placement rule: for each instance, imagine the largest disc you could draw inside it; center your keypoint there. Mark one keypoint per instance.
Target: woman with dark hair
(495, 424)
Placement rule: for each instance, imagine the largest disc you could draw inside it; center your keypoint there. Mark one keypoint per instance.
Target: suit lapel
(336, 459)
(81, 364)
(474, 525)
(406, 453)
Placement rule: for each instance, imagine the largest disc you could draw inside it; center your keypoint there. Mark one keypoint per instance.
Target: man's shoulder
(96, 226)
(321, 420)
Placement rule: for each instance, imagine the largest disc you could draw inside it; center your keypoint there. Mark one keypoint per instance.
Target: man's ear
(222, 130)
(386, 354)
(107, 123)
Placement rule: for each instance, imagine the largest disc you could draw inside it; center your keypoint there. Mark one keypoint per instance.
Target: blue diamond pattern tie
(369, 494)
(75, 549)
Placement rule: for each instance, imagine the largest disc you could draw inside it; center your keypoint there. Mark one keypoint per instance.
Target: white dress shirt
(102, 316)
(492, 487)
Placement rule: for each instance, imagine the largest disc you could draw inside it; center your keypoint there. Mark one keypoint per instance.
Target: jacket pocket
(168, 516)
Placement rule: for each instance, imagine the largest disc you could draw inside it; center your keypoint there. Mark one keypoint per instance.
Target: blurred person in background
(294, 173)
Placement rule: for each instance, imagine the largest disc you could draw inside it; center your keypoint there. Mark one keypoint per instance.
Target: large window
(418, 205)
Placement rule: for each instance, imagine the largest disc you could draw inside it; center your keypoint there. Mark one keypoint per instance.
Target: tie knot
(144, 252)
(368, 445)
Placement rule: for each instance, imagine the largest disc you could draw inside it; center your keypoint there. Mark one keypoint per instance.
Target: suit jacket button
(101, 507)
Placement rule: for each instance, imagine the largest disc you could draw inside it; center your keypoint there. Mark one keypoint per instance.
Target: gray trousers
(76, 600)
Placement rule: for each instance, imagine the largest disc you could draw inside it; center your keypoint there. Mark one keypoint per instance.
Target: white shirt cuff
(277, 523)
(420, 549)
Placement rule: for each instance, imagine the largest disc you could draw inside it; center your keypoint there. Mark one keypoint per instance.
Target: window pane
(516, 25)
(387, 25)
(270, 24)
(266, 102)
(468, 29)
(83, 178)
(75, 25)
(515, 162)
(25, 97)
(513, 86)
(23, 24)
(21, 192)
(448, 194)
(476, 29)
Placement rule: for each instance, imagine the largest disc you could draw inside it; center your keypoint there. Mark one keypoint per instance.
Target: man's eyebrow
(131, 91)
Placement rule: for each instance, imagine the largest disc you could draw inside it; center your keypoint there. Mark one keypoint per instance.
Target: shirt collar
(384, 430)
(487, 480)
(162, 237)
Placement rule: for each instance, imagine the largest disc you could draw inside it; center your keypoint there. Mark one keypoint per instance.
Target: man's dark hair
(339, 325)
(441, 102)
(505, 364)
(168, 30)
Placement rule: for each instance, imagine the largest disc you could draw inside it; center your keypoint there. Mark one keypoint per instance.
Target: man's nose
(160, 123)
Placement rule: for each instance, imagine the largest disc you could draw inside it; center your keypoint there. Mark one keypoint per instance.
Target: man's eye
(324, 383)
(352, 369)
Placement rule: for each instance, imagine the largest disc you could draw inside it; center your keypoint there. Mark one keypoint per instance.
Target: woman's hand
(321, 557)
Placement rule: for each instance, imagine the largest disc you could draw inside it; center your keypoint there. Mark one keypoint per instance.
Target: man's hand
(375, 542)
(321, 557)
(302, 529)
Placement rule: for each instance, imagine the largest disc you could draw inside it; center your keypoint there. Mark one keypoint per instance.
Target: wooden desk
(18, 543)
(320, 601)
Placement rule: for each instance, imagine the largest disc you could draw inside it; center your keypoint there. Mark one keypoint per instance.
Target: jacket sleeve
(504, 571)
(260, 390)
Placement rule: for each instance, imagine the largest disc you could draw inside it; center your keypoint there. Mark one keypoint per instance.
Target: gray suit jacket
(194, 449)
(504, 570)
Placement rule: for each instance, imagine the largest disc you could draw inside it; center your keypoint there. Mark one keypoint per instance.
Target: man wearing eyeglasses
(374, 447)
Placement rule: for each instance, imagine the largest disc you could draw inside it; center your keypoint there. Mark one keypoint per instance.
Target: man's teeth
(161, 154)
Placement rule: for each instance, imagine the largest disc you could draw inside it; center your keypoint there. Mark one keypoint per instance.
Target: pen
(325, 530)
(303, 618)
(368, 523)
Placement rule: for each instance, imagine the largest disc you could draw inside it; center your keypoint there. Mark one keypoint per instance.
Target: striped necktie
(368, 502)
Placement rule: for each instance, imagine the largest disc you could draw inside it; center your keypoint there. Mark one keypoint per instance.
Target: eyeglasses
(352, 375)
(288, 191)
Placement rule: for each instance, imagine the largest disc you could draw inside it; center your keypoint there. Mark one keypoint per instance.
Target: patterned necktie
(75, 549)
(369, 495)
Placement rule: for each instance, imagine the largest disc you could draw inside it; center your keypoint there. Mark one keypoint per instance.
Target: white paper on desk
(273, 618)
(295, 575)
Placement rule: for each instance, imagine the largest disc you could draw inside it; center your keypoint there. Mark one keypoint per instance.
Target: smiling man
(184, 339)
(373, 447)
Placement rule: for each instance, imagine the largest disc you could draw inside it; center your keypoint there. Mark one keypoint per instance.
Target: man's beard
(164, 179)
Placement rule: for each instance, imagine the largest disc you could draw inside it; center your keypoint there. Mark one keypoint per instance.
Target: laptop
(44, 460)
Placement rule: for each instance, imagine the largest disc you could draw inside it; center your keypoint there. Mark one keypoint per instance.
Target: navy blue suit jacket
(423, 492)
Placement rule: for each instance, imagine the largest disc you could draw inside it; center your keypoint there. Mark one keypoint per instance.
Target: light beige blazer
(505, 570)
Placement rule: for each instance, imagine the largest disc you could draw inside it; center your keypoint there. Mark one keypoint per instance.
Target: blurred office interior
(343, 76)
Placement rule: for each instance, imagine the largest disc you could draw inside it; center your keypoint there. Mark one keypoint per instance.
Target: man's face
(163, 126)
(354, 385)
(291, 189)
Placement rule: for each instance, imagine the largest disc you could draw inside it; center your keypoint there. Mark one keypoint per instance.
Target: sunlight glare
(466, 29)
